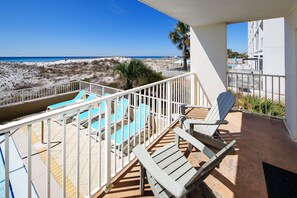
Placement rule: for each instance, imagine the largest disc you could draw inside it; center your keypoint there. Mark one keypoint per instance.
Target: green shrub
(260, 105)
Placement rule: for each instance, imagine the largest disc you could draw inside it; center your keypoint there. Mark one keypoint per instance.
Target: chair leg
(206, 191)
(141, 184)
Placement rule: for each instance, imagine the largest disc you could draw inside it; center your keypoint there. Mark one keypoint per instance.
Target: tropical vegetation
(259, 105)
(136, 73)
(232, 54)
(181, 38)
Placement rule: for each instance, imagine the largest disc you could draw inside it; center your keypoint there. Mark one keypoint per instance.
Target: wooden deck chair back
(220, 109)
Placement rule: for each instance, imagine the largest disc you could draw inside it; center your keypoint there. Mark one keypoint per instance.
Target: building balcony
(61, 159)
(258, 139)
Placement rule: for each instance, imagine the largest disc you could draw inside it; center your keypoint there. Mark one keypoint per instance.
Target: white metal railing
(258, 93)
(29, 94)
(98, 89)
(104, 158)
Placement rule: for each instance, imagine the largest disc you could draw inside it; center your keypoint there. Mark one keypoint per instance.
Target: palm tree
(131, 71)
(181, 38)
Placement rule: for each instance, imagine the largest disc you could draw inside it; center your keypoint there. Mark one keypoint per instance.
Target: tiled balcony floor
(259, 139)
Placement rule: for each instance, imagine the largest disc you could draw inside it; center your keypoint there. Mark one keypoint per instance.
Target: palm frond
(175, 37)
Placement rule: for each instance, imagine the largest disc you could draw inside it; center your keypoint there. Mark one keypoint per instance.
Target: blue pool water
(2, 177)
(58, 58)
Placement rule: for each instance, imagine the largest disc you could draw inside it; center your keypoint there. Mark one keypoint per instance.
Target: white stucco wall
(291, 71)
(209, 57)
(274, 46)
(274, 53)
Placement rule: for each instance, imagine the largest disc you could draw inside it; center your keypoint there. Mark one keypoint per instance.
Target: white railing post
(159, 116)
(48, 160)
(193, 90)
(107, 146)
(55, 90)
(64, 157)
(103, 91)
(78, 155)
(6, 164)
(22, 95)
(79, 85)
(168, 97)
(29, 160)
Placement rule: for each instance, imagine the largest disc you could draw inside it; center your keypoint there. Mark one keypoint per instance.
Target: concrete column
(291, 72)
(209, 58)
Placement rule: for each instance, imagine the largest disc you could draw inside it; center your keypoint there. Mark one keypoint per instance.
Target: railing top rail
(31, 88)
(47, 115)
(255, 74)
(102, 86)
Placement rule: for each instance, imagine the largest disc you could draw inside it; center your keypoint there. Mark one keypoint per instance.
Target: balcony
(259, 139)
(62, 159)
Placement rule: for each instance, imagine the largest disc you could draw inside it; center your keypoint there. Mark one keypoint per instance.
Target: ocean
(58, 58)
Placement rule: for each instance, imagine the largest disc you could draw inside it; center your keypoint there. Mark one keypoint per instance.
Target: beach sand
(14, 76)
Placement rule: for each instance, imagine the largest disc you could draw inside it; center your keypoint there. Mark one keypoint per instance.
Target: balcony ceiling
(204, 12)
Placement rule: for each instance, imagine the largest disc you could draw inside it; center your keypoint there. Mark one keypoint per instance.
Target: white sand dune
(15, 76)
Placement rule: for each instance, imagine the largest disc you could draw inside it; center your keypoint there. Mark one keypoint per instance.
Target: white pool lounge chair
(169, 172)
(207, 130)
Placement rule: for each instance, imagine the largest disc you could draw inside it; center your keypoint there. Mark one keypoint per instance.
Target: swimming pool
(2, 177)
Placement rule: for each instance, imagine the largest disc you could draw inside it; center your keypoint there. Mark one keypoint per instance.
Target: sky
(91, 28)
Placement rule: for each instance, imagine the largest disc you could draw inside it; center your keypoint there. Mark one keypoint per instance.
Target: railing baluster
(134, 114)
(108, 144)
(154, 115)
(260, 109)
(29, 160)
(89, 152)
(129, 117)
(99, 145)
(64, 157)
(115, 105)
(279, 103)
(163, 105)
(139, 118)
(272, 97)
(159, 110)
(77, 154)
(48, 160)
(253, 106)
(242, 87)
(193, 90)
(149, 117)
(6, 140)
(144, 102)
(265, 94)
(168, 103)
(122, 132)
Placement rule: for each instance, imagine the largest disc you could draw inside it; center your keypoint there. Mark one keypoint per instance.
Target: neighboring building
(266, 46)
(266, 51)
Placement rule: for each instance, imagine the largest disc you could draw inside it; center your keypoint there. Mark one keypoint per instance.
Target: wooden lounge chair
(168, 171)
(207, 130)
